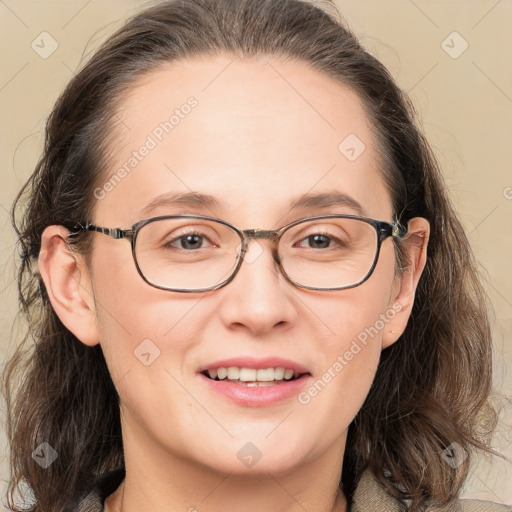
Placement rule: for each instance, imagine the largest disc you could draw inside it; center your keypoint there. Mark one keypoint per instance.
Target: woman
(233, 305)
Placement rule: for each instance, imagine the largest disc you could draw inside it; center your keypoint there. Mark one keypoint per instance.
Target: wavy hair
(431, 388)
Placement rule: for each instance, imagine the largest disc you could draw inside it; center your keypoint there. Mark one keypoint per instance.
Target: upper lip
(256, 363)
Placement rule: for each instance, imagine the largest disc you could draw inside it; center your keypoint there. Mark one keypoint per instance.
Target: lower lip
(257, 396)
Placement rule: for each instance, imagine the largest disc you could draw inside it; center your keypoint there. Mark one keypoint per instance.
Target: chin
(262, 467)
(243, 457)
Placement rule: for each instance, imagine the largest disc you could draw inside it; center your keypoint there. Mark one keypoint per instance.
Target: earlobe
(68, 285)
(402, 299)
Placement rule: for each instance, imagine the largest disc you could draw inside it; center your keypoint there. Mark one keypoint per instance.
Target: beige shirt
(369, 496)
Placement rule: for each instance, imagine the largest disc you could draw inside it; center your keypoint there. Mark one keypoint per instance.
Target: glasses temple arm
(115, 233)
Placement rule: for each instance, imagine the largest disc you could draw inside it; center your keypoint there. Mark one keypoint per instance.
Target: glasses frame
(383, 230)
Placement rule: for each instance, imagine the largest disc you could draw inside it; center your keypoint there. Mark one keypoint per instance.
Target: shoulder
(370, 496)
(92, 498)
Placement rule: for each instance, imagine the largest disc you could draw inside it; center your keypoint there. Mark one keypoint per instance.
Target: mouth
(255, 393)
(255, 382)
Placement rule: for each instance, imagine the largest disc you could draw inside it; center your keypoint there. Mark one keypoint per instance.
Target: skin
(255, 143)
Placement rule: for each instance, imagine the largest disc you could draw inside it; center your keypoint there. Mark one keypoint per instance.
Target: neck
(154, 481)
(115, 502)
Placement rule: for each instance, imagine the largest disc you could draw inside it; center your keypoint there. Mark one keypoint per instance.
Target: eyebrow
(304, 202)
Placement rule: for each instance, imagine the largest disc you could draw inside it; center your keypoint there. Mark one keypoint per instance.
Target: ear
(68, 285)
(404, 290)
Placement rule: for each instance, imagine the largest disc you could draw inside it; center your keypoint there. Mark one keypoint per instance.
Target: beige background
(464, 99)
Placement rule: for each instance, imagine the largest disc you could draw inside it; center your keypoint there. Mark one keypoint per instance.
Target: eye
(319, 240)
(188, 242)
(322, 239)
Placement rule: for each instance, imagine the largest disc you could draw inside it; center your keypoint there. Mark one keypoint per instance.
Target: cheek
(349, 361)
(358, 316)
(146, 337)
(350, 351)
(350, 356)
(140, 326)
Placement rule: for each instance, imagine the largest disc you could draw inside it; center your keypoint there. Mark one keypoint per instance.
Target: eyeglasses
(196, 253)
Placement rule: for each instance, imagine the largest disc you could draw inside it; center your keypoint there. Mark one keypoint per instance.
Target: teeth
(252, 375)
(288, 374)
(233, 373)
(265, 375)
(279, 373)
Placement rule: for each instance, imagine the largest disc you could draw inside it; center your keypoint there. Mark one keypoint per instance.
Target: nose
(259, 298)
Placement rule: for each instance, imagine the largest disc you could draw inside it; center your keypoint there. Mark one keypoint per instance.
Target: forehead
(257, 134)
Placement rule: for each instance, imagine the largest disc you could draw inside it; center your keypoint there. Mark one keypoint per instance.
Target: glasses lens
(193, 254)
(328, 253)
(186, 253)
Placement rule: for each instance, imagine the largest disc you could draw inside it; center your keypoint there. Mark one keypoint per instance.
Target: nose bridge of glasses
(261, 234)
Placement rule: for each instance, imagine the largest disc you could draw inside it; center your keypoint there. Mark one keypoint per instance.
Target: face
(258, 135)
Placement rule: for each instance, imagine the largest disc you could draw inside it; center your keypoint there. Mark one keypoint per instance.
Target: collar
(371, 496)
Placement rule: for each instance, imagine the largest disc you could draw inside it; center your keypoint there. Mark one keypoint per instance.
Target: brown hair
(432, 386)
